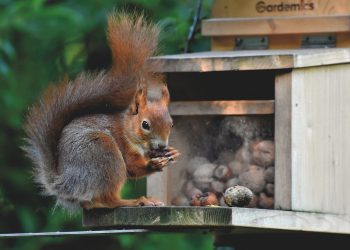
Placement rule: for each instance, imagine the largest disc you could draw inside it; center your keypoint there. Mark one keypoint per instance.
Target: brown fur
(85, 136)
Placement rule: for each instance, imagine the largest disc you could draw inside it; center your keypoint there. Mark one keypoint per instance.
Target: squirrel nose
(161, 146)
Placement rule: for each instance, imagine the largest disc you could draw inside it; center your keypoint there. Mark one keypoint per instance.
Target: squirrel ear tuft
(165, 94)
(140, 100)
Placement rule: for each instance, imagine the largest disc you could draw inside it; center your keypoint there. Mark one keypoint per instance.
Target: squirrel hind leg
(70, 205)
(90, 167)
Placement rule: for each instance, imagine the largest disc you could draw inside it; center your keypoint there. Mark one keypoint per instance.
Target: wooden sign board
(286, 24)
(279, 8)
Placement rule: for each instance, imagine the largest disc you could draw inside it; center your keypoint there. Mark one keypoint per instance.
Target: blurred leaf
(28, 219)
(40, 42)
(4, 69)
(7, 48)
(72, 53)
(5, 205)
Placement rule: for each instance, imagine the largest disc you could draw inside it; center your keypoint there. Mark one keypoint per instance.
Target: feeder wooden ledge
(172, 217)
(253, 60)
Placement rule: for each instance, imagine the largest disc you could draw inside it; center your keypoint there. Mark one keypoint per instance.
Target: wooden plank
(158, 187)
(285, 42)
(321, 57)
(252, 60)
(343, 40)
(220, 61)
(277, 240)
(275, 26)
(170, 218)
(251, 8)
(290, 220)
(276, 42)
(283, 147)
(321, 139)
(222, 107)
(223, 43)
(158, 216)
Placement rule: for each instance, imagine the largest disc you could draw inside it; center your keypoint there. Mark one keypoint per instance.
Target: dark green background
(40, 43)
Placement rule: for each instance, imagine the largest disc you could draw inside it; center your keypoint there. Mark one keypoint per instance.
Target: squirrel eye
(145, 125)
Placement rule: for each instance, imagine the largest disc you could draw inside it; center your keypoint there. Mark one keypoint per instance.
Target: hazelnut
(217, 187)
(195, 163)
(203, 176)
(180, 200)
(270, 174)
(266, 201)
(238, 196)
(253, 179)
(232, 182)
(263, 153)
(190, 190)
(270, 189)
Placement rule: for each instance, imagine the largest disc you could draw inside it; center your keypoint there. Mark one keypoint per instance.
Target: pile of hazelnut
(250, 166)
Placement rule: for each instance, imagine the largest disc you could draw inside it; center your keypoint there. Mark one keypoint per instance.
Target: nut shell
(222, 173)
(205, 199)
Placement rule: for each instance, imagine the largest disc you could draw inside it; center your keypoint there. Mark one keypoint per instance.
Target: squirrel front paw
(172, 154)
(169, 152)
(159, 159)
(158, 163)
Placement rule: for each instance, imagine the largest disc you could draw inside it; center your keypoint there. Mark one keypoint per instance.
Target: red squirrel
(87, 136)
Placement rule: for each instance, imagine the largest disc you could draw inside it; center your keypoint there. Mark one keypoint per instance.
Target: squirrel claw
(149, 202)
(171, 151)
(172, 155)
(158, 163)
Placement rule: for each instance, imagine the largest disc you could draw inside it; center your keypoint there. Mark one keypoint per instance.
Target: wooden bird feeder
(297, 98)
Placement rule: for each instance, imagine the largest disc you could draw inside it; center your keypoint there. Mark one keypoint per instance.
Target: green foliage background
(41, 41)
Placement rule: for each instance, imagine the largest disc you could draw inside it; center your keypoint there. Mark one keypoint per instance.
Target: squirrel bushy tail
(132, 41)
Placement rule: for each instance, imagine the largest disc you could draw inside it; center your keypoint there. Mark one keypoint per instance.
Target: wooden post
(158, 186)
(283, 141)
(321, 139)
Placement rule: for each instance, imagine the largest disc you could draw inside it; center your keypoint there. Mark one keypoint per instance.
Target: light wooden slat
(170, 216)
(290, 220)
(283, 141)
(157, 186)
(225, 61)
(275, 26)
(321, 57)
(252, 60)
(248, 8)
(321, 139)
(222, 107)
(215, 217)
